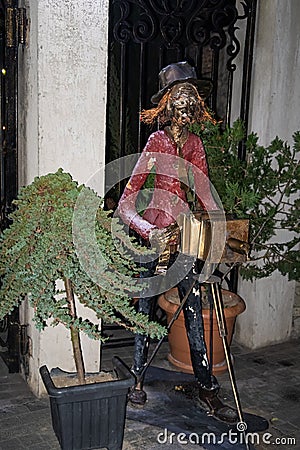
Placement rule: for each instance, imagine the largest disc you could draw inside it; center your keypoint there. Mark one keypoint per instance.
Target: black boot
(209, 397)
(137, 397)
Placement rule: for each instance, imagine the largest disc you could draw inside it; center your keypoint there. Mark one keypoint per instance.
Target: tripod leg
(218, 303)
(219, 308)
(211, 337)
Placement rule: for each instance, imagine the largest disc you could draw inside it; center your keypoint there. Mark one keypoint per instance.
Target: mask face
(182, 104)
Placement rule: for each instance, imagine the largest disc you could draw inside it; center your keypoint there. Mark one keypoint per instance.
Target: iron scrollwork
(210, 21)
(152, 33)
(138, 29)
(203, 22)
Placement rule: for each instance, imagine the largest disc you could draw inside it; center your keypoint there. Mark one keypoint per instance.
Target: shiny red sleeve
(127, 204)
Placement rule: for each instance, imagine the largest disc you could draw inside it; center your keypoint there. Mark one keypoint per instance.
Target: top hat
(177, 73)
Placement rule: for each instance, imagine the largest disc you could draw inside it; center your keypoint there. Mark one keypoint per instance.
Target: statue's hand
(173, 233)
(159, 238)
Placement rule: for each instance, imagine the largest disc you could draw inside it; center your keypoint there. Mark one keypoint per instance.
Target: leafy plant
(263, 188)
(38, 249)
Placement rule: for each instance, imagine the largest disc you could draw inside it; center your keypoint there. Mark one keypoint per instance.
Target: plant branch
(75, 336)
(271, 250)
(278, 203)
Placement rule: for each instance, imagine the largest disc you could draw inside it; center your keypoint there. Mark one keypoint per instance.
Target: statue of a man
(180, 103)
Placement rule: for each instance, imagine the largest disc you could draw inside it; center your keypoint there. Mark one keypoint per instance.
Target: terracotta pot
(179, 354)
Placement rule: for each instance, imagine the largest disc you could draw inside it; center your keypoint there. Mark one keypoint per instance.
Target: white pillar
(62, 107)
(275, 110)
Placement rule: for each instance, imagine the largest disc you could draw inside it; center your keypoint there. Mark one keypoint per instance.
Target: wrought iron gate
(146, 35)
(12, 33)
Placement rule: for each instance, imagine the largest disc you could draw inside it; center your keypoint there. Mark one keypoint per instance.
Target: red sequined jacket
(169, 199)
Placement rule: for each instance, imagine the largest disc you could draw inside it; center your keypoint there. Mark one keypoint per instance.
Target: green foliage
(38, 249)
(263, 188)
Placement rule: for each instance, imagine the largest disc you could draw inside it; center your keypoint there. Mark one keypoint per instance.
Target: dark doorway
(146, 35)
(12, 33)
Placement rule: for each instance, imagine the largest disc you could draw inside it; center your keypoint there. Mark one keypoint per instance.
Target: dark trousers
(193, 321)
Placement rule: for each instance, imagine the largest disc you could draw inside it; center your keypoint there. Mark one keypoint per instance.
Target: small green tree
(38, 249)
(263, 188)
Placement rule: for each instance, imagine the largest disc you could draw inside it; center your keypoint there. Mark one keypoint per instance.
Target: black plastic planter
(90, 416)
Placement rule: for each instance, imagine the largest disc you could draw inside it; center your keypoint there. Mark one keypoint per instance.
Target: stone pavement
(268, 382)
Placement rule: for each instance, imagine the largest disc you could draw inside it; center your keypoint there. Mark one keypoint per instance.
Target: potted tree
(261, 187)
(37, 250)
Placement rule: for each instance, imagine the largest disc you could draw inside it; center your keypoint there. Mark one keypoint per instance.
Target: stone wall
(274, 111)
(62, 104)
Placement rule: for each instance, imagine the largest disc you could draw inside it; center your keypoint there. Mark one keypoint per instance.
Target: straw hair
(161, 112)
